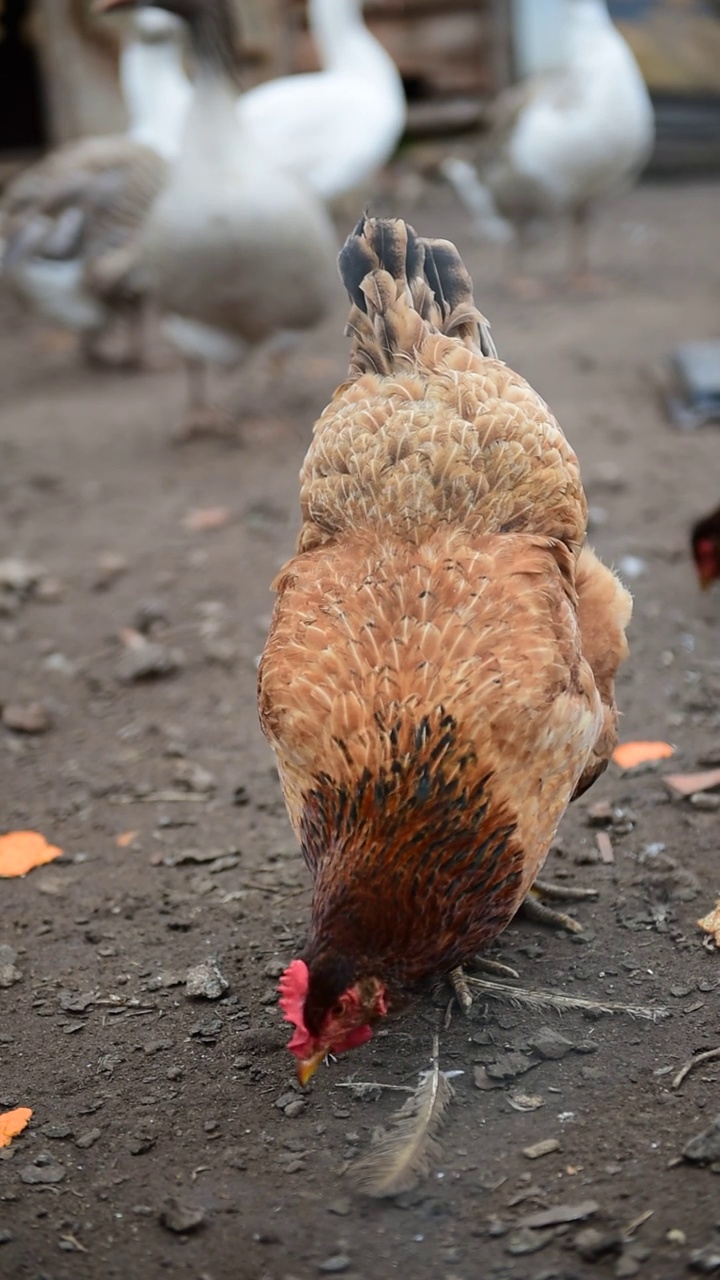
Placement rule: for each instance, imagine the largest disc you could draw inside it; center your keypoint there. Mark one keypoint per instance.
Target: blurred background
(58, 64)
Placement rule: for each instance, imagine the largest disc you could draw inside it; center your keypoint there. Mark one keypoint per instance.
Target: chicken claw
(459, 982)
(533, 909)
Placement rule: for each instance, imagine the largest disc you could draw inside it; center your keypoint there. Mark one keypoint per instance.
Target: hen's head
(706, 549)
(330, 1013)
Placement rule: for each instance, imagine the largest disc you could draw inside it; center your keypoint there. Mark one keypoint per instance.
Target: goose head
(210, 23)
(157, 26)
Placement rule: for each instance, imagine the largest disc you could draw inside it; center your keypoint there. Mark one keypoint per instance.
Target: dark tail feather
(387, 269)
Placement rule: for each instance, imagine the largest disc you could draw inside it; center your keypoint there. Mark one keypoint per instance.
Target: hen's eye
(338, 1009)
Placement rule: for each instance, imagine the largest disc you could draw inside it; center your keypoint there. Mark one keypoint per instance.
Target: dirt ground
(140, 1092)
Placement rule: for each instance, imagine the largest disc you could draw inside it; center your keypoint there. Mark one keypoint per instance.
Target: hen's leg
(534, 909)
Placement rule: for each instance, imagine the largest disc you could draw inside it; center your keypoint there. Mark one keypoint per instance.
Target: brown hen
(438, 682)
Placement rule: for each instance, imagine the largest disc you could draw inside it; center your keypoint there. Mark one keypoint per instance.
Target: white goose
(335, 127)
(70, 223)
(564, 140)
(237, 249)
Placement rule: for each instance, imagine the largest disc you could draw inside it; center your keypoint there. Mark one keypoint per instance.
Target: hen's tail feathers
(477, 199)
(402, 288)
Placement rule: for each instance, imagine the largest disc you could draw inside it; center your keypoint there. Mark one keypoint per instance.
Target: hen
(438, 682)
(705, 545)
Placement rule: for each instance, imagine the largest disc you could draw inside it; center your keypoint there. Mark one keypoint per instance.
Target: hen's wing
(603, 611)
(372, 640)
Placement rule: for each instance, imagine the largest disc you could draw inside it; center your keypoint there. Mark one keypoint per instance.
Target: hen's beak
(307, 1068)
(706, 580)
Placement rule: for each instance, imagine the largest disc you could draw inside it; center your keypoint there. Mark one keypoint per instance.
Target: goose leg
(202, 419)
(579, 264)
(518, 280)
(580, 275)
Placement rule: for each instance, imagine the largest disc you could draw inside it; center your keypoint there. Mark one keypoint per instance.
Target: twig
(632, 1226)
(707, 1056)
(549, 1000)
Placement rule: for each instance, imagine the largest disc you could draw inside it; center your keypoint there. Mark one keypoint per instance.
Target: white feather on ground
(403, 1155)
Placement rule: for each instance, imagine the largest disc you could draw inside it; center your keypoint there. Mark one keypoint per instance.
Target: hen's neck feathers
(390, 914)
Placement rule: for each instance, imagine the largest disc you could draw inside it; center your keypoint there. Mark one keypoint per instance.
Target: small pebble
(550, 1045)
(526, 1241)
(145, 659)
(194, 778)
(88, 1139)
(631, 1260)
(592, 1244)
(205, 981)
(30, 718)
(42, 1175)
(338, 1263)
(341, 1208)
(544, 1148)
(706, 800)
(57, 1131)
(147, 614)
(705, 1147)
(9, 972)
(705, 1262)
(181, 1218)
(108, 569)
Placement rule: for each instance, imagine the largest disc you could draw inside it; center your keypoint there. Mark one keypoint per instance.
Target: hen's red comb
(293, 988)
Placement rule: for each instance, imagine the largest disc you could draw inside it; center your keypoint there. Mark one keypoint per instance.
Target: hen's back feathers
(432, 422)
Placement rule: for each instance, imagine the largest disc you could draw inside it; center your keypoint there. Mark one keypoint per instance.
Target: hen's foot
(207, 423)
(459, 981)
(534, 909)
